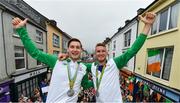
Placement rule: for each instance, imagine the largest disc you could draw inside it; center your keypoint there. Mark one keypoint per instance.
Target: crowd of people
(36, 98)
(137, 91)
(87, 95)
(39, 96)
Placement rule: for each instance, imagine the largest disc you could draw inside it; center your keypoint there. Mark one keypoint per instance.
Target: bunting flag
(158, 97)
(130, 87)
(154, 61)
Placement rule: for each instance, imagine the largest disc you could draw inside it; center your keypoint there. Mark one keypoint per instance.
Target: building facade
(54, 38)
(65, 40)
(164, 39)
(121, 41)
(21, 69)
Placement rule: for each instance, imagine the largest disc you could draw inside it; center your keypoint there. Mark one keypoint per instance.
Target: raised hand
(17, 22)
(148, 19)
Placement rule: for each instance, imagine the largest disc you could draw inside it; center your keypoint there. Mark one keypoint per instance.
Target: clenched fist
(17, 22)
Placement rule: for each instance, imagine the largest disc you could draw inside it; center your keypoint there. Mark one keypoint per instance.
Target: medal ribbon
(98, 81)
(72, 80)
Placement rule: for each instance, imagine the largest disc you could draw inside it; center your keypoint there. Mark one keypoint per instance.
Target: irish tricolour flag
(154, 61)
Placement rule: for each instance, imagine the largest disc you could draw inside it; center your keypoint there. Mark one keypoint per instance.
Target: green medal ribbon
(98, 81)
(73, 79)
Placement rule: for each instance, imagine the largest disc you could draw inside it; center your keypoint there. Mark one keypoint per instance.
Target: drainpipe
(4, 43)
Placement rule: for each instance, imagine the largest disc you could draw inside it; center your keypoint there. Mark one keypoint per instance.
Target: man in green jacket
(67, 75)
(105, 73)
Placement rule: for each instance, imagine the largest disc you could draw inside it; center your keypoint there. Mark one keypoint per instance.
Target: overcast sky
(89, 20)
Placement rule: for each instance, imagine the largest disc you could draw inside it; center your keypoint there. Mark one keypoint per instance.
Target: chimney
(119, 28)
(139, 11)
(53, 22)
(127, 21)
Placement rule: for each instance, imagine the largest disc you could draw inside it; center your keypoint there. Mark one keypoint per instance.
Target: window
(39, 36)
(65, 44)
(163, 20)
(19, 90)
(166, 19)
(19, 57)
(27, 86)
(38, 62)
(127, 38)
(56, 40)
(55, 52)
(36, 82)
(174, 16)
(114, 45)
(31, 88)
(24, 89)
(165, 55)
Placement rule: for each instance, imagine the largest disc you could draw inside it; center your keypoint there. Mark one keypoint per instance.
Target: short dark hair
(76, 40)
(100, 44)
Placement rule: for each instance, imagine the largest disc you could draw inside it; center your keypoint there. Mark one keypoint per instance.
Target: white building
(123, 40)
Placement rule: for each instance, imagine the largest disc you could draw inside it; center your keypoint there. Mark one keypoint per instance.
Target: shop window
(27, 86)
(19, 90)
(24, 89)
(31, 88)
(36, 82)
(164, 57)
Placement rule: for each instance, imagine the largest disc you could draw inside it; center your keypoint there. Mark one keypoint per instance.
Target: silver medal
(70, 92)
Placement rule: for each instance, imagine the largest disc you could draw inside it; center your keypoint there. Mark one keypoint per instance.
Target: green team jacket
(50, 59)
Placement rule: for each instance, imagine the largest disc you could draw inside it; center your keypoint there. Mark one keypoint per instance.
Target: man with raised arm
(67, 75)
(105, 73)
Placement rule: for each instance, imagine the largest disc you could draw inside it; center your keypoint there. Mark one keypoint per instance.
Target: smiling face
(101, 52)
(74, 49)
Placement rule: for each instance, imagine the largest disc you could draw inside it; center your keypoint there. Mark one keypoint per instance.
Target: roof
(16, 8)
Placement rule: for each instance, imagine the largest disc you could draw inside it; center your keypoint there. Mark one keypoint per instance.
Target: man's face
(101, 53)
(74, 50)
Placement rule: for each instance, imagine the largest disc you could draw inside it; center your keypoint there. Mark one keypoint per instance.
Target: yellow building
(164, 37)
(54, 38)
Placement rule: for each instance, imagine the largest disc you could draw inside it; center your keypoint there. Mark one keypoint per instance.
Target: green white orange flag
(154, 61)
